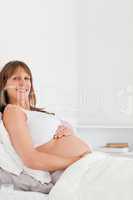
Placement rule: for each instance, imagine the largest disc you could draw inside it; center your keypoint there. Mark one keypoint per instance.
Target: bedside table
(116, 154)
(127, 154)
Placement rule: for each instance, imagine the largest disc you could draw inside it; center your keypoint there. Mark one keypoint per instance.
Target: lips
(22, 90)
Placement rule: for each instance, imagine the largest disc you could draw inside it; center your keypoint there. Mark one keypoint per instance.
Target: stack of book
(116, 148)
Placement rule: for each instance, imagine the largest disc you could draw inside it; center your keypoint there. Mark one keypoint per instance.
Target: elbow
(30, 161)
(36, 161)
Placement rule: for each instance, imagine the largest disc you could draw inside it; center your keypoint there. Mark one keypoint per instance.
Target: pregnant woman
(40, 138)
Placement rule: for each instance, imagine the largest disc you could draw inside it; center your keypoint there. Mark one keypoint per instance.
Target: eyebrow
(19, 75)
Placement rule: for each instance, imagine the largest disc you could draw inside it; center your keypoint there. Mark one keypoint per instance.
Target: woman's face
(18, 86)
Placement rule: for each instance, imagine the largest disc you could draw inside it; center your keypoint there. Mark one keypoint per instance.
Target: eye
(27, 78)
(15, 78)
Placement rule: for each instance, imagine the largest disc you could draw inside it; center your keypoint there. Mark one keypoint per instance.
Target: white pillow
(15, 165)
(6, 161)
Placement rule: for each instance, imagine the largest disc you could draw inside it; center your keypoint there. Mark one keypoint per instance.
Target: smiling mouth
(17, 89)
(21, 90)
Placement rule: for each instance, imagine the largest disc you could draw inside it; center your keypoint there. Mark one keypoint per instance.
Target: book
(116, 145)
(115, 148)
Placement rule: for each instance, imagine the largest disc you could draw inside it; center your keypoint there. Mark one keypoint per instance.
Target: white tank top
(42, 126)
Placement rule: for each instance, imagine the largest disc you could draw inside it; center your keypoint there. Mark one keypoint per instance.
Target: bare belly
(68, 146)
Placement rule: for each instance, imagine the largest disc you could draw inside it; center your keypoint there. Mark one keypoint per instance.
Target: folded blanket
(25, 182)
(96, 176)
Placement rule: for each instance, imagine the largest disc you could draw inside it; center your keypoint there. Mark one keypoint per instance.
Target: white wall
(105, 71)
(80, 53)
(43, 34)
(105, 63)
(98, 137)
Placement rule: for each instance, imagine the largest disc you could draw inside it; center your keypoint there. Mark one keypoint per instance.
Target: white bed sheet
(96, 176)
(15, 195)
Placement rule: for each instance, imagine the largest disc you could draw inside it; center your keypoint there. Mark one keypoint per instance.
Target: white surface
(45, 37)
(97, 176)
(105, 63)
(18, 195)
(92, 177)
(80, 54)
(126, 154)
(105, 126)
(114, 150)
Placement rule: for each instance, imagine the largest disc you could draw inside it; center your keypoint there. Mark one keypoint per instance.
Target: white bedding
(19, 195)
(97, 176)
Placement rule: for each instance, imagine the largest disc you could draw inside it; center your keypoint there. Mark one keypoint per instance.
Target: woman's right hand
(62, 131)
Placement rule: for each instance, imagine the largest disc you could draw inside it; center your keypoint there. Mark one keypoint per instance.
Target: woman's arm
(48, 162)
(16, 125)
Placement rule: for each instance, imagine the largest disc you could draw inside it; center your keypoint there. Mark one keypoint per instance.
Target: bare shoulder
(13, 113)
(14, 120)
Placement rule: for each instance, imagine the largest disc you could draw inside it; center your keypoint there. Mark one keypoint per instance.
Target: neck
(22, 104)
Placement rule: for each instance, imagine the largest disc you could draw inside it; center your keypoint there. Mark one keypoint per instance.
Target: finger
(56, 136)
(61, 129)
(60, 135)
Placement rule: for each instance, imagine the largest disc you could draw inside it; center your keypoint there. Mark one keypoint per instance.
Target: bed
(96, 176)
(15, 195)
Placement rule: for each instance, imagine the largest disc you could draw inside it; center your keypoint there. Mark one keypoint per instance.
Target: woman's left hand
(63, 131)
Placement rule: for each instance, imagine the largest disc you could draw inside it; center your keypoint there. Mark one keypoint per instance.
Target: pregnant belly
(66, 147)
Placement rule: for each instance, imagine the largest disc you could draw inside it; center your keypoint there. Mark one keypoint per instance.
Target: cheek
(11, 84)
(11, 93)
(11, 88)
(29, 87)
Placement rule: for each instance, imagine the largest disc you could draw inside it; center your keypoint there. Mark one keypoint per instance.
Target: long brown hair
(6, 72)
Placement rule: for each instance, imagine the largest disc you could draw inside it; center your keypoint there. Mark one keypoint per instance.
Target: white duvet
(97, 176)
(22, 195)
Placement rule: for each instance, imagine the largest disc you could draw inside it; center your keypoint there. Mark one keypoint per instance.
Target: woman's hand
(63, 131)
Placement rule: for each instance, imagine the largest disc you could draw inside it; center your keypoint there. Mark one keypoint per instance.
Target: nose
(21, 82)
